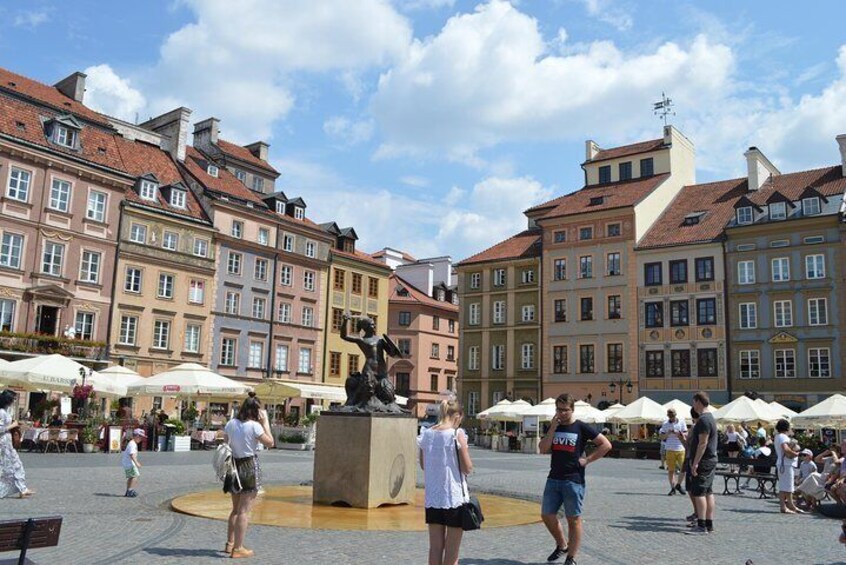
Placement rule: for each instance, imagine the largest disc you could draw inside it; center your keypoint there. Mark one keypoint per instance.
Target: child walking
(129, 460)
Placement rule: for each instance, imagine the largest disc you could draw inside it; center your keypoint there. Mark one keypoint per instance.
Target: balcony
(47, 344)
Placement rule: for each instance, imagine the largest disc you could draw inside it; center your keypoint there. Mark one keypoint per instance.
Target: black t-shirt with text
(705, 424)
(568, 444)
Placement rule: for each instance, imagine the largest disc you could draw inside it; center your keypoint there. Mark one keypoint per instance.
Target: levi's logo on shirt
(565, 441)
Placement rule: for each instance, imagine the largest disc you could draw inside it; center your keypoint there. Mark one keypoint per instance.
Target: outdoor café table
(33, 434)
(204, 437)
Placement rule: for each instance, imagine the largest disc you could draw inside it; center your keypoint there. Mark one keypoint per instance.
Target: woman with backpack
(243, 434)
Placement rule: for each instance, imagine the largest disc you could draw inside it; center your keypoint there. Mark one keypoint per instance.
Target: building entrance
(47, 320)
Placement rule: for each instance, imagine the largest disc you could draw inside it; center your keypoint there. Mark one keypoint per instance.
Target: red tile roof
(524, 244)
(626, 150)
(614, 195)
(415, 295)
(360, 256)
(244, 154)
(224, 183)
(50, 95)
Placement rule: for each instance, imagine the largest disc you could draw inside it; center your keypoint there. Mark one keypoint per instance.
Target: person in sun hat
(129, 461)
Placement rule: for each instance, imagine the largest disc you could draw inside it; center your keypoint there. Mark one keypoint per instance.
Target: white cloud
(31, 19)
(106, 92)
(609, 11)
(412, 5)
(348, 132)
(415, 181)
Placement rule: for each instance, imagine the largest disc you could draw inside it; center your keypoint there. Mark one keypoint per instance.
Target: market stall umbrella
(587, 413)
(514, 411)
(830, 413)
(644, 410)
(544, 410)
(494, 411)
(45, 372)
(682, 409)
(783, 410)
(744, 410)
(188, 380)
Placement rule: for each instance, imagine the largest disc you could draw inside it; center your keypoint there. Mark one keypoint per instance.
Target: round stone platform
(291, 507)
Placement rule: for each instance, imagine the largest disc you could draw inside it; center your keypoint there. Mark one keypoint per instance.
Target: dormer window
(693, 219)
(212, 170)
(241, 176)
(596, 201)
(65, 136)
(299, 213)
(744, 215)
(148, 190)
(178, 198)
(778, 211)
(258, 184)
(811, 206)
(64, 130)
(280, 207)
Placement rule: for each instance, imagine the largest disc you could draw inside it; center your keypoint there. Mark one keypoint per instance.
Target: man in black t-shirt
(703, 463)
(565, 485)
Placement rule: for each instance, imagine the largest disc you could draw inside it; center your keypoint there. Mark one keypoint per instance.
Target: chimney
(258, 149)
(758, 167)
(173, 126)
(841, 141)
(72, 86)
(206, 132)
(591, 149)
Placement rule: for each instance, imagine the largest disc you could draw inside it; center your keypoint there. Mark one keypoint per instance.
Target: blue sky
(429, 125)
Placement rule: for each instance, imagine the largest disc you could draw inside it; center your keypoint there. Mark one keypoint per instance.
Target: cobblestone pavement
(628, 519)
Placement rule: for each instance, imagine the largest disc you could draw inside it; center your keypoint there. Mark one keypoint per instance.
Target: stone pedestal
(365, 460)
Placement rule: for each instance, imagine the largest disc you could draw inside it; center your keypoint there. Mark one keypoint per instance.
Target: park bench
(765, 482)
(23, 535)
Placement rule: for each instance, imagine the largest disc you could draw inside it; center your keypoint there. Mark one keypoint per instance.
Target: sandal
(26, 494)
(229, 547)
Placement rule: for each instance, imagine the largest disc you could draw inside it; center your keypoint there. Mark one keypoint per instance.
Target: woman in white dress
(785, 462)
(12, 476)
(446, 462)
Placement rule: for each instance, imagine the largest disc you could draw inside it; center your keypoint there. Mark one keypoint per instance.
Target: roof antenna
(663, 108)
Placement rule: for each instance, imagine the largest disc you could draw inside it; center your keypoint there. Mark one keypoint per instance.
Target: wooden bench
(765, 482)
(23, 535)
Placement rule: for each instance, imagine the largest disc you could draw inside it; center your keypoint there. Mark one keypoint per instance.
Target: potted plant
(294, 442)
(89, 436)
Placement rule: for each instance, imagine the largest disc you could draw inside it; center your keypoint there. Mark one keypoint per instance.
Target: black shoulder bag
(471, 512)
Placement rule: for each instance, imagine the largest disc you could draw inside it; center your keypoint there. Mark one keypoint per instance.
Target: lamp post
(613, 385)
(84, 372)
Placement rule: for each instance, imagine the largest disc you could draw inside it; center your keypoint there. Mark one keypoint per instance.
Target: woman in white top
(732, 444)
(786, 457)
(445, 461)
(244, 433)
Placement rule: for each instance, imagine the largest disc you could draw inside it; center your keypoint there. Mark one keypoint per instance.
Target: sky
(430, 125)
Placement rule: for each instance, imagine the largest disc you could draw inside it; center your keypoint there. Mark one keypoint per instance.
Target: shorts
(247, 477)
(785, 477)
(449, 517)
(131, 472)
(674, 460)
(702, 483)
(567, 493)
(732, 446)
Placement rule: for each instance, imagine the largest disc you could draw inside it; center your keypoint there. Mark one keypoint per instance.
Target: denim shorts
(568, 493)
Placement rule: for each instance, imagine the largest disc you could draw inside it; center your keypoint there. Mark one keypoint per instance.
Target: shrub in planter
(179, 424)
(292, 438)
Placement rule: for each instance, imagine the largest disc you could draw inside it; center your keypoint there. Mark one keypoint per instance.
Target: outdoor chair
(71, 440)
(48, 438)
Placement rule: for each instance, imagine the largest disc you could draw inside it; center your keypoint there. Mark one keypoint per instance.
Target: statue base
(365, 460)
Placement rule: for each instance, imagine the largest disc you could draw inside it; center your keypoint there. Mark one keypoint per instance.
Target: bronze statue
(370, 390)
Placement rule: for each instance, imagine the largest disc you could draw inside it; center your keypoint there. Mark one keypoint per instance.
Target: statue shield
(391, 347)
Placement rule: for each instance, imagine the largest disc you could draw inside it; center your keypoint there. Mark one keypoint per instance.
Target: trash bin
(170, 429)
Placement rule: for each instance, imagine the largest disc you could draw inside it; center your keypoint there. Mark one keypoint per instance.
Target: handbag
(471, 511)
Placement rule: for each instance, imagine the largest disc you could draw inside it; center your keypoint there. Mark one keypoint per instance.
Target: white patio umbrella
(544, 411)
(494, 411)
(587, 413)
(45, 372)
(743, 410)
(783, 410)
(682, 409)
(186, 381)
(644, 410)
(830, 413)
(514, 412)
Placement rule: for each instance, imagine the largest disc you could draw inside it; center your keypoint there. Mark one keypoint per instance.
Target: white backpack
(224, 464)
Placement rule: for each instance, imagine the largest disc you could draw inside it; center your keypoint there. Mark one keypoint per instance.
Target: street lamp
(84, 372)
(620, 383)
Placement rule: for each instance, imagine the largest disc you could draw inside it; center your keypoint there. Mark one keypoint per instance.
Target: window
(84, 325)
(678, 271)
(615, 357)
(748, 316)
(652, 274)
(228, 346)
(305, 361)
(433, 383)
(612, 264)
(560, 310)
(704, 269)
(436, 323)
(475, 280)
(177, 198)
(706, 362)
(499, 277)
(232, 303)
(680, 362)
(528, 314)
(498, 357)
(604, 174)
(586, 267)
(138, 233)
(256, 355)
(404, 346)
(308, 280)
(527, 276)
(679, 313)
(89, 270)
(148, 190)
(819, 363)
(450, 383)
(286, 275)
(586, 309)
(212, 170)
(404, 386)
(60, 195)
(299, 213)
(559, 359)
(814, 266)
(258, 184)
(781, 269)
(586, 233)
(338, 279)
(372, 287)
(201, 247)
(654, 363)
(51, 260)
(778, 210)
(527, 356)
(560, 269)
(335, 363)
(310, 249)
(625, 170)
(783, 313)
(750, 364)
(813, 239)
(283, 314)
(308, 316)
(451, 326)
(259, 307)
(596, 200)
(237, 230)
(192, 338)
(260, 269)
(161, 334)
(499, 312)
(18, 188)
(615, 307)
(233, 263)
(405, 318)
(280, 363)
(128, 330)
(586, 359)
(744, 215)
(280, 207)
(810, 206)
(613, 230)
(746, 272)
(647, 167)
(435, 352)
(559, 236)
(196, 291)
(475, 314)
(706, 311)
(817, 311)
(65, 136)
(356, 283)
(654, 314)
(473, 358)
(785, 363)
(165, 288)
(450, 353)
(10, 251)
(132, 281)
(288, 243)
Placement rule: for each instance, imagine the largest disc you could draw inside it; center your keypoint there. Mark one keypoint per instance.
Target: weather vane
(663, 108)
